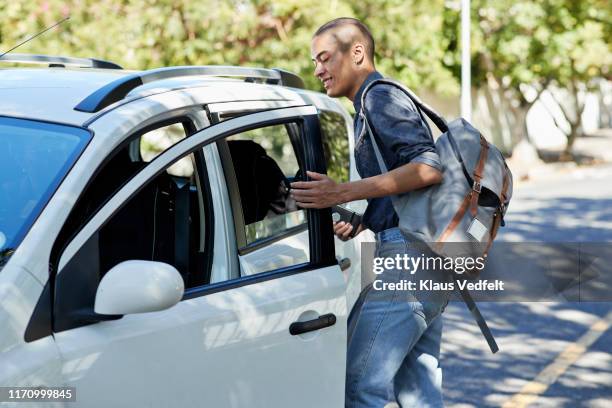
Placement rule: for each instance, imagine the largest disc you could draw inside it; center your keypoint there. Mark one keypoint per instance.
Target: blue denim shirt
(402, 139)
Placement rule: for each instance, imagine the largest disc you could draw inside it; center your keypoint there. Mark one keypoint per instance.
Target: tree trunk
(574, 119)
(575, 132)
(500, 129)
(605, 108)
(519, 126)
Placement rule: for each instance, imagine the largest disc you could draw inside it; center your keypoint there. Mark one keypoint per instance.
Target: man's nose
(319, 70)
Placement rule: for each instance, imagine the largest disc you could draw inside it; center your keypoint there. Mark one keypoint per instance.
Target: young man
(394, 338)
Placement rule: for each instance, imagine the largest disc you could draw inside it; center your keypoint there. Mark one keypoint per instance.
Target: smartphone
(340, 213)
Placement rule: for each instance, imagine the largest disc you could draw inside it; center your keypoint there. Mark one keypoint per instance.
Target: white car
(150, 254)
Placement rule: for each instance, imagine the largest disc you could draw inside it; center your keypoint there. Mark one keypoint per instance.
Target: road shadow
(559, 219)
(530, 336)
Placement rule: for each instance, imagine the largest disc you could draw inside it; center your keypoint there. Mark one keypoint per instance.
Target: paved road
(555, 354)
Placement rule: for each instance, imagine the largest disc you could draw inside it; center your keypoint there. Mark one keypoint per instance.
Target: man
(394, 338)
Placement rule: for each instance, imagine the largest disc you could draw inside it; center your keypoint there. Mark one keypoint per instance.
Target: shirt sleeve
(397, 124)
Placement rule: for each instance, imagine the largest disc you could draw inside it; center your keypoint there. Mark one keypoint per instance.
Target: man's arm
(324, 192)
(400, 129)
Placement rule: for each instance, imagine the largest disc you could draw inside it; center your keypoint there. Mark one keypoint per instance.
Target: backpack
(461, 215)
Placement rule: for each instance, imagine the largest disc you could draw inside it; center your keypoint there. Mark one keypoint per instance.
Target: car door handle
(344, 263)
(325, 320)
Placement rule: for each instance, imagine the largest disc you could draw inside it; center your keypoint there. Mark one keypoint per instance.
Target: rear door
(268, 337)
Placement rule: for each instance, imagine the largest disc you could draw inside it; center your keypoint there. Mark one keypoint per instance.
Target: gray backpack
(461, 215)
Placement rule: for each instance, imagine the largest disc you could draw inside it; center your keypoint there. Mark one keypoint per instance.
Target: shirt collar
(357, 101)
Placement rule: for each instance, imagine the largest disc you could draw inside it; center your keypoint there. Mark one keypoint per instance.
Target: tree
(141, 34)
(521, 47)
(409, 41)
(578, 55)
(506, 55)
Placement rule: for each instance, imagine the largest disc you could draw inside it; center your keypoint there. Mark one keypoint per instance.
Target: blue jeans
(394, 340)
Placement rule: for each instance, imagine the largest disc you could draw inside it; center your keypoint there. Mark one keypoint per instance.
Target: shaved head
(342, 51)
(347, 31)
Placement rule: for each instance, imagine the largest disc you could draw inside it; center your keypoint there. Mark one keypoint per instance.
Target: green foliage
(522, 46)
(525, 42)
(141, 34)
(517, 44)
(409, 43)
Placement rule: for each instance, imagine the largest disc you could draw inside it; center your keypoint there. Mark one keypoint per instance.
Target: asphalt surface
(552, 354)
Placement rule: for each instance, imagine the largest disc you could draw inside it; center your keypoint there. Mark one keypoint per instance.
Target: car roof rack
(58, 61)
(118, 89)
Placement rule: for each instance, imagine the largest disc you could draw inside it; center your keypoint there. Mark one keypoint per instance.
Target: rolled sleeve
(430, 158)
(398, 127)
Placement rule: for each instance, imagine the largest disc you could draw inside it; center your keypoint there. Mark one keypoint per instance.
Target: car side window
(163, 221)
(119, 168)
(335, 145)
(166, 220)
(260, 164)
(156, 141)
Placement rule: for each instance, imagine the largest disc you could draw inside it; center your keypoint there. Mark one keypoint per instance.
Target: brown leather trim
(499, 213)
(505, 186)
(496, 223)
(456, 220)
(478, 174)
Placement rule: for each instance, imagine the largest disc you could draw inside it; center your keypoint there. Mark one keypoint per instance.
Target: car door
(274, 338)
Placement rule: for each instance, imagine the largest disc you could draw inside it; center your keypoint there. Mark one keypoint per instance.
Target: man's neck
(361, 77)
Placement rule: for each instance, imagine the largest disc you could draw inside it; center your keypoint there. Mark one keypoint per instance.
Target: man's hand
(320, 192)
(343, 230)
(323, 192)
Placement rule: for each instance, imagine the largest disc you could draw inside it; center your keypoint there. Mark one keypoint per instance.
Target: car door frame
(321, 237)
(322, 258)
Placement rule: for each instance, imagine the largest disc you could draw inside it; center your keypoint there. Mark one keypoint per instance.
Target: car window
(34, 158)
(120, 167)
(166, 220)
(161, 222)
(264, 162)
(335, 145)
(156, 141)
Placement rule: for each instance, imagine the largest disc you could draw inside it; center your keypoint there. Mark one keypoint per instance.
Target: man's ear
(358, 53)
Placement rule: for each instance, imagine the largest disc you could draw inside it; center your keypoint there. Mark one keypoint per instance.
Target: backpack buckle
(476, 186)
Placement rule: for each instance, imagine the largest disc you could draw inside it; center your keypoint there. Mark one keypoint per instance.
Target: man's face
(332, 66)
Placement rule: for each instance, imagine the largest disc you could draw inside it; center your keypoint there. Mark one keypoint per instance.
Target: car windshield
(34, 158)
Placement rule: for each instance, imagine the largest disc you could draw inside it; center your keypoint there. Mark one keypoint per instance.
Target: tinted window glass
(153, 143)
(265, 163)
(162, 222)
(34, 158)
(118, 168)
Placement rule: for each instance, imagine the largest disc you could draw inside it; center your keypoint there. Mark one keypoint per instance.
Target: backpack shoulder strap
(366, 124)
(435, 117)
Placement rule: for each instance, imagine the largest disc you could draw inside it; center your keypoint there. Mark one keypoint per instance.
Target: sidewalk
(590, 151)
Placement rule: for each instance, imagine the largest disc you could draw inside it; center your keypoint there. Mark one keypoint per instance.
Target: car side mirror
(138, 287)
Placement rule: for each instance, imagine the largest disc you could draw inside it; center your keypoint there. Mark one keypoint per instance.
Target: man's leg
(418, 382)
(383, 332)
(383, 335)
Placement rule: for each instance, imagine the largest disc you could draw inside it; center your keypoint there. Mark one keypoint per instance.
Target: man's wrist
(346, 192)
